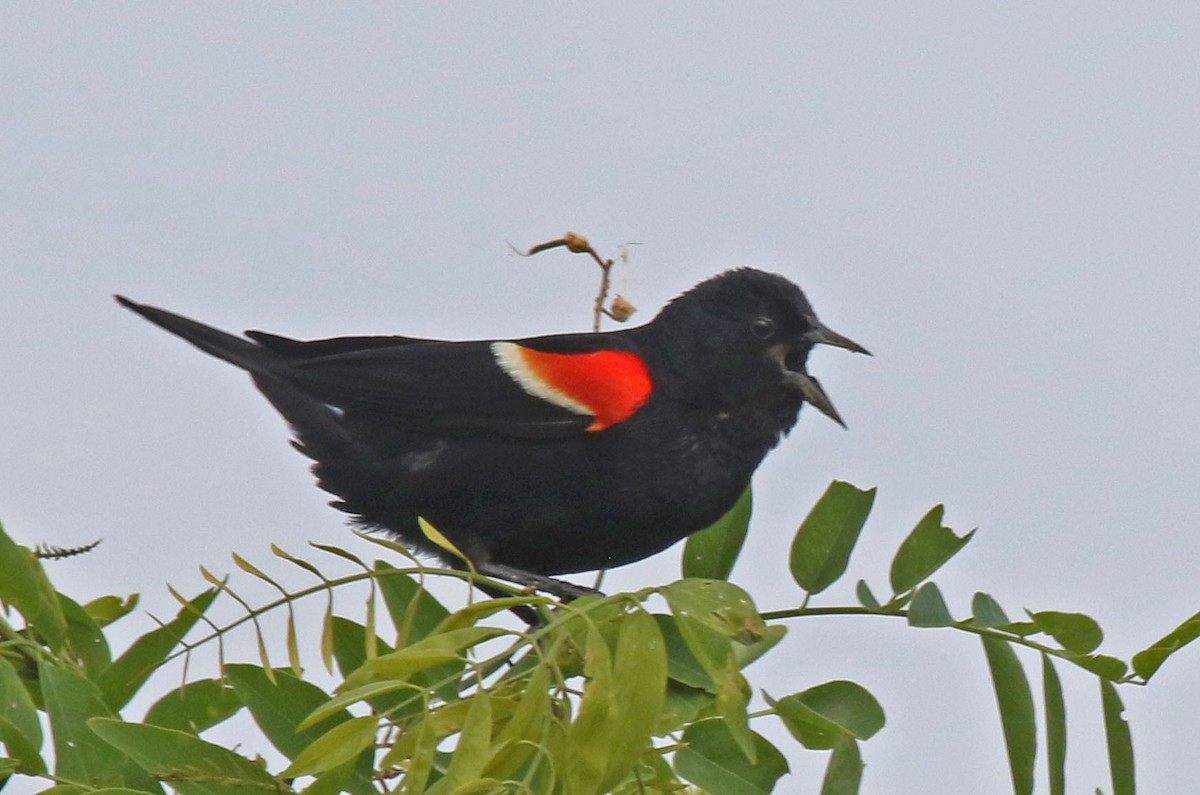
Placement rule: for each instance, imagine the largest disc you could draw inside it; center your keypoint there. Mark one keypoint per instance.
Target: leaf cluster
(631, 693)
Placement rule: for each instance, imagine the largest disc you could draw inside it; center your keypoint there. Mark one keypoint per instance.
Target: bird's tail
(235, 350)
(344, 466)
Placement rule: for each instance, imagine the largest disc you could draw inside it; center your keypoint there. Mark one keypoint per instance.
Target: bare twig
(576, 243)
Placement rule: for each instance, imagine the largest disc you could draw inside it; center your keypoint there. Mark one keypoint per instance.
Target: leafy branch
(606, 695)
(820, 555)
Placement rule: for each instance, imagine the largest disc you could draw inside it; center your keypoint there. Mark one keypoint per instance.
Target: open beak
(808, 386)
(810, 389)
(827, 336)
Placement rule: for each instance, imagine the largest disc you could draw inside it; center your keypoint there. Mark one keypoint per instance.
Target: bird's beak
(827, 336)
(808, 386)
(810, 389)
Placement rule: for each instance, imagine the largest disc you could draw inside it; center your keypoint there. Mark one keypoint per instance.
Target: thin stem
(963, 626)
(578, 244)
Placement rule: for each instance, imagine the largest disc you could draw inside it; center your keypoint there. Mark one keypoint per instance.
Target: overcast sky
(999, 200)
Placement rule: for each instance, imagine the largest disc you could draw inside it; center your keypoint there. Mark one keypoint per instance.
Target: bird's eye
(763, 327)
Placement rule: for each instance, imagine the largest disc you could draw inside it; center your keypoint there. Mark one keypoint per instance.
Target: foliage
(631, 693)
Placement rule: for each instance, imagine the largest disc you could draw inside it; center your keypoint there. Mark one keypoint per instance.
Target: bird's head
(744, 333)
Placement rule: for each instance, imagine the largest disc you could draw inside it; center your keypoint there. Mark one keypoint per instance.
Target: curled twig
(621, 308)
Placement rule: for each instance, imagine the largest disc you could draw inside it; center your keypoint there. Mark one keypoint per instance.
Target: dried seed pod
(576, 242)
(620, 309)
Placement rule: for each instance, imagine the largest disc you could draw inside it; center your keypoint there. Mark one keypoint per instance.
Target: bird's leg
(528, 613)
(566, 591)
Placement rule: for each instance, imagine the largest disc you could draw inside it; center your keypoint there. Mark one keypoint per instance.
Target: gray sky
(1000, 200)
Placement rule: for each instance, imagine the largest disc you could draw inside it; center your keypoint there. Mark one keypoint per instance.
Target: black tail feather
(235, 350)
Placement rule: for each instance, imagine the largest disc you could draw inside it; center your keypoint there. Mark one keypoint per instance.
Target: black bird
(546, 455)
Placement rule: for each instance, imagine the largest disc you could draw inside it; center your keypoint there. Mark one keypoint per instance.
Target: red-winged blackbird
(547, 455)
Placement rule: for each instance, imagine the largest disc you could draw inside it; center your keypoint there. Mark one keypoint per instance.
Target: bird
(550, 455)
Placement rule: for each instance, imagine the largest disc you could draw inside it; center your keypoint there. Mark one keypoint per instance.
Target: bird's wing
(313, 349)
(547, 387)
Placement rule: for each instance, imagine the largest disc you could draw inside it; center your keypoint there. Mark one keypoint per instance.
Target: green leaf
(23, 753)
(710, 615)
(717, 605)
(711, 760)
(621, 703)
(71, 700)
(350, 645)
(280, 706)
(848, 704)
(473, 749)
(449, 719)
(480, 786)
(1101, 665)
(334, 781)
(733, 699)
(811, 729)
(653, 775)
(435, 536)
(368, 693)
(194, 706)
(1147, 661)
(414, 611)
(865, 598)
(342, 743)
(987, 612)
(435, 650)
(422, 759)
(928, 608)
(84, 642)
(924, 551)
(712, 552)
(75, 789)
(711, 650)
(1015, 701)
(1120, 744)
(682, 706)
(682, 664)
(746, 653)
(533, 710)
(17, 707)
(820, 716)
(339, 552)
(475, 612)
(1074, 631)
(843, 774)
(26, 587)
(193, 766)
(1056, 728)
(822, 546)
(349, 648)
(105, 610)
(121, 680)
(586, 755)
(638, 693)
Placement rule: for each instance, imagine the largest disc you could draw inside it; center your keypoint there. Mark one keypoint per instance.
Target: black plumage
(547, 455)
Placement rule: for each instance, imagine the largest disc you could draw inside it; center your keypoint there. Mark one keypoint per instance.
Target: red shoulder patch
(607, 385)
